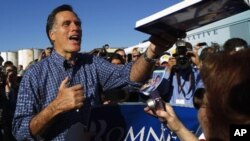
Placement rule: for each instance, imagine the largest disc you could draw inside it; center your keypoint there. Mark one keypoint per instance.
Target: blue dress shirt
(39, 87)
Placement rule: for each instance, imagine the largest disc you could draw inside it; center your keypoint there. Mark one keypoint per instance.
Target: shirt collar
(61, 61)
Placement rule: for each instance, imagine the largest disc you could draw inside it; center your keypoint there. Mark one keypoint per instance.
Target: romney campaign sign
(129, 122)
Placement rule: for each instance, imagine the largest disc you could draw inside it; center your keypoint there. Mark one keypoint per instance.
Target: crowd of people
(223, 102)
(57, 90)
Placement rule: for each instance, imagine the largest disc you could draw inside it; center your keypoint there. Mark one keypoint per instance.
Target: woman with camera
(225, 102)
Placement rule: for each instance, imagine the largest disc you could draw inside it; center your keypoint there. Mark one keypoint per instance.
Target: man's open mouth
(76, 38)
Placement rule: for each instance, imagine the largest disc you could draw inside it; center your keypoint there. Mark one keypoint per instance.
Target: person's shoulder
(38, 66)
(42, 63)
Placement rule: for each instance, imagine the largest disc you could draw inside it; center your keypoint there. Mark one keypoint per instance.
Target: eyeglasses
(136, 55)
(199, 98)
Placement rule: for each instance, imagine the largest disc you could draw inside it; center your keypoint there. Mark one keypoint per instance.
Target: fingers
(168, 117)
(160, 44)
(64, 83)
(170, 110)
(78, 92)
(161, 113)
(150, 112)
(196, 48)
(79, 105)
(69, 98)
(75, 91)
(190, 52)
(77, 87)
(163, 42)
(79, 100)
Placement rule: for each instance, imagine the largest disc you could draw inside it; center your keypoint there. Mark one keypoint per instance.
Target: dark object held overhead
(188, 15)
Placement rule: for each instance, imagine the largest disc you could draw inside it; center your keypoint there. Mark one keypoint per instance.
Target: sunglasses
(199, 98)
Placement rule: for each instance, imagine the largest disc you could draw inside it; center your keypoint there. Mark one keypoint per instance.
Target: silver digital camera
(155, 104)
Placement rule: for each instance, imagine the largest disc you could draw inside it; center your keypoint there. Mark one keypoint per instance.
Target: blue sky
(22, 23)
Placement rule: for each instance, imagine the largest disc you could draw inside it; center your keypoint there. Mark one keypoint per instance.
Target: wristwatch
(149, 60)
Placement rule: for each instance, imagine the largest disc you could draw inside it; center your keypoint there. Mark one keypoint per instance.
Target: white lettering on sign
(132, 136)
(202, 34)
(102, 132)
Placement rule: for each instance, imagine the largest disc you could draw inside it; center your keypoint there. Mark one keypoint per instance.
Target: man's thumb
(64, 83)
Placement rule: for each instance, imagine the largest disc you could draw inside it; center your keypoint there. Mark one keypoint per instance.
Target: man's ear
(52, 35)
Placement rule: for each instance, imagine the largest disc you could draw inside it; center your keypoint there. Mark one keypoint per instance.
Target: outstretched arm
(143, 67)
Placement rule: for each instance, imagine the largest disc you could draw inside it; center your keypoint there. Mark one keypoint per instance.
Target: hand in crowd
(69, 97)
(171, 62)
(197, 47)
(173, 123)
(194, 57)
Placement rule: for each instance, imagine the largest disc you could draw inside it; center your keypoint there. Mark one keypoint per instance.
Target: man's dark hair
(119, 49)
(206, 52)
(1, 59)
(8, 63)
(52, 15)
(232, 43)
(117, 56)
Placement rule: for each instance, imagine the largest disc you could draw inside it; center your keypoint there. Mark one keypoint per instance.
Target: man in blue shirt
(57, 92)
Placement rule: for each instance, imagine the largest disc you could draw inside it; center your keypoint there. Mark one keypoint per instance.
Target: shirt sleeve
(25, 107)
(113, 76)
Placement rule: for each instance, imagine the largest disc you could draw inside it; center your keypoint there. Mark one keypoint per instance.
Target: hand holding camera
(167, 116)
(185, 55)
(156, 104)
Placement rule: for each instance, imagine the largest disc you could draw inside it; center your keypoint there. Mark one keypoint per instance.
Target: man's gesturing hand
(69, 98)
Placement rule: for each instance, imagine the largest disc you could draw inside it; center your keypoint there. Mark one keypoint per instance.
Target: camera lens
(181, 50)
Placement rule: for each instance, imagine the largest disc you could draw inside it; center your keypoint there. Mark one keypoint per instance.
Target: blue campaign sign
(129, 122)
